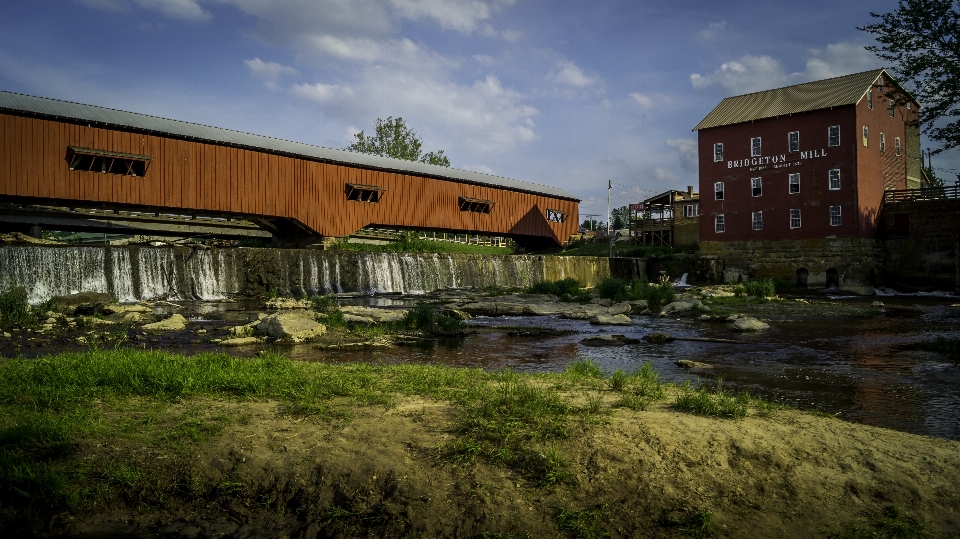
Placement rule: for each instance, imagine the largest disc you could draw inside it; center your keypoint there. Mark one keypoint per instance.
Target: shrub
(14, 308)
(761, 288)
(568, 286)
(322, 303)
(659, 295)
(612, 288)
(426, 318)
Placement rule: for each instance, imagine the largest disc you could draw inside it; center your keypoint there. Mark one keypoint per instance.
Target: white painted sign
(777, 161)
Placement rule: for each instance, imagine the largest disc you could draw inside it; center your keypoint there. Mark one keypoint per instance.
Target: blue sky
(565, 93)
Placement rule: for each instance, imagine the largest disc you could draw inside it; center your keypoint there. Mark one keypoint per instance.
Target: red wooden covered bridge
(58, 154)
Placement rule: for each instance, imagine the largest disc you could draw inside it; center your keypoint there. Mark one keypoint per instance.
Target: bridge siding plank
(191, 175)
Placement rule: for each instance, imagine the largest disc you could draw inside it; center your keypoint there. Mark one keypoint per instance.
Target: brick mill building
(792, 179)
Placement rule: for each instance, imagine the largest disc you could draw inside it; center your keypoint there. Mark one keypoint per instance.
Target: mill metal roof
(821, 94)
(132, 121)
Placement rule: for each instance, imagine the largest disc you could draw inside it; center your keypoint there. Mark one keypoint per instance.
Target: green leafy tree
(392, 138)
(919, 40)
(593, 224)
(621, 217)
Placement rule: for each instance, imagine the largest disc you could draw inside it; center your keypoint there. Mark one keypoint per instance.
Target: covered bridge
(58, 153)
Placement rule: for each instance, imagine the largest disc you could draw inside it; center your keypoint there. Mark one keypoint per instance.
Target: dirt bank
(654, 473)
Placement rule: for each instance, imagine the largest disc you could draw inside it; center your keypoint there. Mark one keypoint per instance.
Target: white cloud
(568, 73)
(270, 72)
(484, 59)
(651, 100)
(188, 10)
(687, 152)
(460, 15)
(511, 35)
(665, 175)
(479, 168)
(712, 30)
(840, 59)
(755, 73)
(485, 115)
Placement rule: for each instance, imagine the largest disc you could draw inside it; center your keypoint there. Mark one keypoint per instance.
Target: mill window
(794, 180)
(691, 210)
(756, 188)
(718, 225)
(883, 142)
(833, 135)
(755, 147)
(795, 218)
(718, 191)
(834, 179)
(793, 141)
(758, 220)
(870, 99)
(835, 216)
(718, 152)
(890, 107)
(896, 145)
(866, 136)
(124, 164)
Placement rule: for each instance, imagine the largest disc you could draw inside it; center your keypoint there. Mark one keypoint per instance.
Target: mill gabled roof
(143, 123)
(809, 96)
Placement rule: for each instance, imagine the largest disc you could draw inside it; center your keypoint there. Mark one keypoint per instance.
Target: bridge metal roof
(816, 95)
(127, 121)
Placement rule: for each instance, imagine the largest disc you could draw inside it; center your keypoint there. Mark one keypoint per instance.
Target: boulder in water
(81, 302)
(611, 320)
(658, 337)
(295, 326)
(688, 364)
(240, 341)
(608, 340)
(748, 323)
(176, 322)
(278, 304)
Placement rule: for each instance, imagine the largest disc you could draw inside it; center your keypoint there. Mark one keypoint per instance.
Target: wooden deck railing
(929, 193)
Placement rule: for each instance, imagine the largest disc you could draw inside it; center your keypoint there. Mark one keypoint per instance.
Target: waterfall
(137, 273)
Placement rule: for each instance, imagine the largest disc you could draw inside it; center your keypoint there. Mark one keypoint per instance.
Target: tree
(392, 138)
(920, 42)
(593, 224)
(621, 217)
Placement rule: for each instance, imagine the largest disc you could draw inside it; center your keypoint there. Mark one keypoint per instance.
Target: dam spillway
(137, 273)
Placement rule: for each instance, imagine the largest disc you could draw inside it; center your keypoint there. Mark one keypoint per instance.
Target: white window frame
(718, 224)
(791, 183)
(836, 218)
(833, 179)
(883, 142)
(866, 136)
(793, 142)
(691, 210)
(890, 107)
(896, 145)
(756, 187)
(757, 220)
(717, 152)
(718, 191)
(794, 218)
(830, 138)
(755, 147)
(869, 99)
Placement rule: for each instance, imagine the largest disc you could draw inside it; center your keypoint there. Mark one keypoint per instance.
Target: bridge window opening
(364, 193)
(802, 275)
(556, 216)
(124, 164)
(833, 278)
(475, 205)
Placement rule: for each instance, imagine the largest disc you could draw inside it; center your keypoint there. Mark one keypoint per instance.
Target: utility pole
(609, 222)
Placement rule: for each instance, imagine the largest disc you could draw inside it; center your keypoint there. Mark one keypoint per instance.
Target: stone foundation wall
(923, 253)
(852, 264)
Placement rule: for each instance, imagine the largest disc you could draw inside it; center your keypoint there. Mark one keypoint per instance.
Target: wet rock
(240, 341)
(373, 314)
(611, 320)
(81, 302)
(749, 324)
(637, 306)
(608, 340)
(175, 322)
(296, 326)
(658, 337)
(620, 308)
(688, 364)
(126, 317)
(877, 304)
(716, 293)
(455, 314)
(117, 308)
(684, 306)
(94, 321)
(278, 304)
(604, 302)
(585, 312)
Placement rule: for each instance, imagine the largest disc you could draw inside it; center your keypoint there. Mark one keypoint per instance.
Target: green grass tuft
(761, 288)
(888, 523)
(586, 523)
(716, 403)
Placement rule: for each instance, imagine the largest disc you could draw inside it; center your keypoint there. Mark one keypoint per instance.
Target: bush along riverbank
(139, 443)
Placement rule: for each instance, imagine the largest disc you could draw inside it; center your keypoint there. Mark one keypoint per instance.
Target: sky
(567, 93)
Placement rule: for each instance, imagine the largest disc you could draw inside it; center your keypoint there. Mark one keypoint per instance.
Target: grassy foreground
(394, 450)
